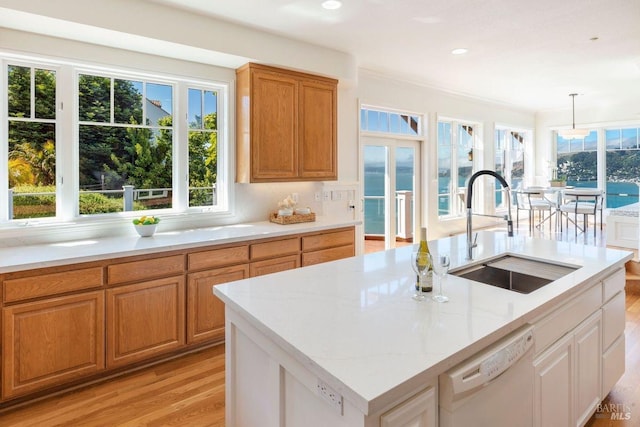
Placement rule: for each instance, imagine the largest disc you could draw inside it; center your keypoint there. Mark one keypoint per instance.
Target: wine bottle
(423, 258)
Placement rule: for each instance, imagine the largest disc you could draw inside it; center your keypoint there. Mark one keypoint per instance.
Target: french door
(391, 189)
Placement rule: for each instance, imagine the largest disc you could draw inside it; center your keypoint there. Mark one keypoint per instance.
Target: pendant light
(573, 133)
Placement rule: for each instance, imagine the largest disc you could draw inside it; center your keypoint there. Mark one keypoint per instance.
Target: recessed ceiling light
(332, 4)
(459, 51)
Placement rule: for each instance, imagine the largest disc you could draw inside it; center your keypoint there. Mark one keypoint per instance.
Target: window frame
(67, 146)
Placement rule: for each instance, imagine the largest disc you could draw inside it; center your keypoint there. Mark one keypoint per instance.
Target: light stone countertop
(354, 324)
(56, 254)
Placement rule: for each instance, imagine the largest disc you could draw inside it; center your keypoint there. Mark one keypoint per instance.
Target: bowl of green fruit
(146, 225)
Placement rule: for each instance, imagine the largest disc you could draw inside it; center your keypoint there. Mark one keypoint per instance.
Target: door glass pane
(405, 158)
(444, 168)
(465, 154)
(374, 179)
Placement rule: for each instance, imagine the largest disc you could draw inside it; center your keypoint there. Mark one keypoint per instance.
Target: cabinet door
(145, 319)
(588, 348)
(419, 411)
(205, 312)
(260, 268)
(553, 385)
(274, 131)
(317, 142)
(51, 342)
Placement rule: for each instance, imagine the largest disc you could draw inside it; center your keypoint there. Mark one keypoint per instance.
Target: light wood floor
(186, 392)
(189, 391)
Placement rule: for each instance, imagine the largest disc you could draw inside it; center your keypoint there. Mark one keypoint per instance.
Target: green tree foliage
(41, 163)
(203, 160)
(147, 160)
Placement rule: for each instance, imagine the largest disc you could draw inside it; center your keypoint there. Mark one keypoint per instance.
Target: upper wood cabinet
(286, 125)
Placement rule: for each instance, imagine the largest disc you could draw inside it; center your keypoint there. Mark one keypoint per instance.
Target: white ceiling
(528, 53)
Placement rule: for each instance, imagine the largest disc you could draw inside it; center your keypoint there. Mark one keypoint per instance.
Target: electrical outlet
(329, 395)
(326, 196)
(294, 196)
(318, 196)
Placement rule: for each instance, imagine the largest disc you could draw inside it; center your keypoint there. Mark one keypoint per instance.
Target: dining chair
(532, 199)
(585, 202)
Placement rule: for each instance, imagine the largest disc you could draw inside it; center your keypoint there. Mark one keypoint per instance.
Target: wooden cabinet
(286, 125)
(275, 256)
(51, 342)
(328, 246)
(275, 265)
(205, 312)
(144, 320)
(62, 324)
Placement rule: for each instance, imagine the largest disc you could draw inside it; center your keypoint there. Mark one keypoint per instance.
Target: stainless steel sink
(515, 273)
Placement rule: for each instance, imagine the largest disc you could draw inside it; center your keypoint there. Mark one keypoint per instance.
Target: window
(374, 120)
(31, 125)
(455, 165)
(124, 146)
(623, 166)
(577, 160)
(203, 147)
(509, 158)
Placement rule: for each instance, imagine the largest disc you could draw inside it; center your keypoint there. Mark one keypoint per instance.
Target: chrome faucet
(470, 242)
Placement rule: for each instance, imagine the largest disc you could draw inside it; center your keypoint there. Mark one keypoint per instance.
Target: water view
(617, 193)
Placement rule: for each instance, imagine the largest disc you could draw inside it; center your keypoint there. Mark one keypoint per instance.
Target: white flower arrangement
(287, 203)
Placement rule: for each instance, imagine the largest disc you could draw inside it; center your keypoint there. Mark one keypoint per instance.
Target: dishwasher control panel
(500, 361)
(489, 363)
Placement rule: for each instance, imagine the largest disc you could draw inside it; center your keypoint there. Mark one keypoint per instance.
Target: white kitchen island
(344, 344)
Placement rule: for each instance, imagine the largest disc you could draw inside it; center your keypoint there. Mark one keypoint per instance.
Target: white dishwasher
(492, 388)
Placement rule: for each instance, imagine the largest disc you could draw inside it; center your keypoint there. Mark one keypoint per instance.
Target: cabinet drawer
(613, 319)
(218, 257)
(612, 365)
(326, 255)
(268, 266)
(275, 248)
(328, 240)
(145, 269)
(552, 327)
(51, 284)
(613, 284)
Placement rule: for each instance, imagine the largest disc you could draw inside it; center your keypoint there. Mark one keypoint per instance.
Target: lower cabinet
(418, 411)
(144, 320)
(268, 266)
(327, 247)
(588, 350)
(567, 377)
(205, 312)
(51, 342)
(553, 385)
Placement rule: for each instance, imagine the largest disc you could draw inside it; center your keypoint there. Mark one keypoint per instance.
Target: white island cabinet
(344, 344)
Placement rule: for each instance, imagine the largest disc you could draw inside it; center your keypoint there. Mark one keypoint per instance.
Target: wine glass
(440, 266)
(420, 265)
